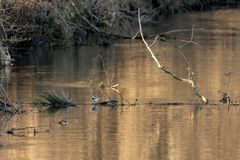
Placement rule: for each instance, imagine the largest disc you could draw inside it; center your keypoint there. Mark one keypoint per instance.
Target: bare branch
(190, 41)
(190, 80)
(182, 30)
(153, 43)
(135, 35)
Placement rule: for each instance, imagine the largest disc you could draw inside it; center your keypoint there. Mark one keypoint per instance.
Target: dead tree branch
(190, 80)
(190, 41)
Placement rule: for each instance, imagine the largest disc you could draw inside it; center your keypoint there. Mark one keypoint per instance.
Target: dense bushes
(41, 23)
(58, 22)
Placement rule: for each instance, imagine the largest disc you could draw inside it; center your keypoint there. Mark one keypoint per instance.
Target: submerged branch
(190, 80)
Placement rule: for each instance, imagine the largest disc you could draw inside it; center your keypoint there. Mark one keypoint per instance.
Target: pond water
(143, 131)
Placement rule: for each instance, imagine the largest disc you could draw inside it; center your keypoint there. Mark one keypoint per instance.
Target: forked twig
(153, 43)
(190, 41)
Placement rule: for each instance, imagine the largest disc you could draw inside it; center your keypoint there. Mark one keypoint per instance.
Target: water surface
(186, 132)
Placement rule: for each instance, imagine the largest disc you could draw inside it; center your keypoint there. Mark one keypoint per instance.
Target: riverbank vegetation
(41, 23)
(54, 100)
(46, 23)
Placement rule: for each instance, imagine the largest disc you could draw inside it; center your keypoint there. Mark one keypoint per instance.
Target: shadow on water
(4, 118)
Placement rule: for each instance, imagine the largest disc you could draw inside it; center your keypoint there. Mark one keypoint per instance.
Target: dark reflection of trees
(163, 145)
(4, 119)
(5, 74)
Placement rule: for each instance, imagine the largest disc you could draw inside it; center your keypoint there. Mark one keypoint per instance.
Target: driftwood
(28, 131)
(191, 80)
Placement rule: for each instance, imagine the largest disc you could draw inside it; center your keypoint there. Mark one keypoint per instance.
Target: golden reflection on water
(140, 132)
(143, 132)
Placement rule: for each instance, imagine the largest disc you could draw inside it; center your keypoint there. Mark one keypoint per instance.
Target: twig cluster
(109, 83)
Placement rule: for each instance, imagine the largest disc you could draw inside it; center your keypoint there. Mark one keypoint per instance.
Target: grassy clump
(54, 100)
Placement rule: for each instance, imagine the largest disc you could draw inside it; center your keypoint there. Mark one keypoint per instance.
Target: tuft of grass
(54, 100)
